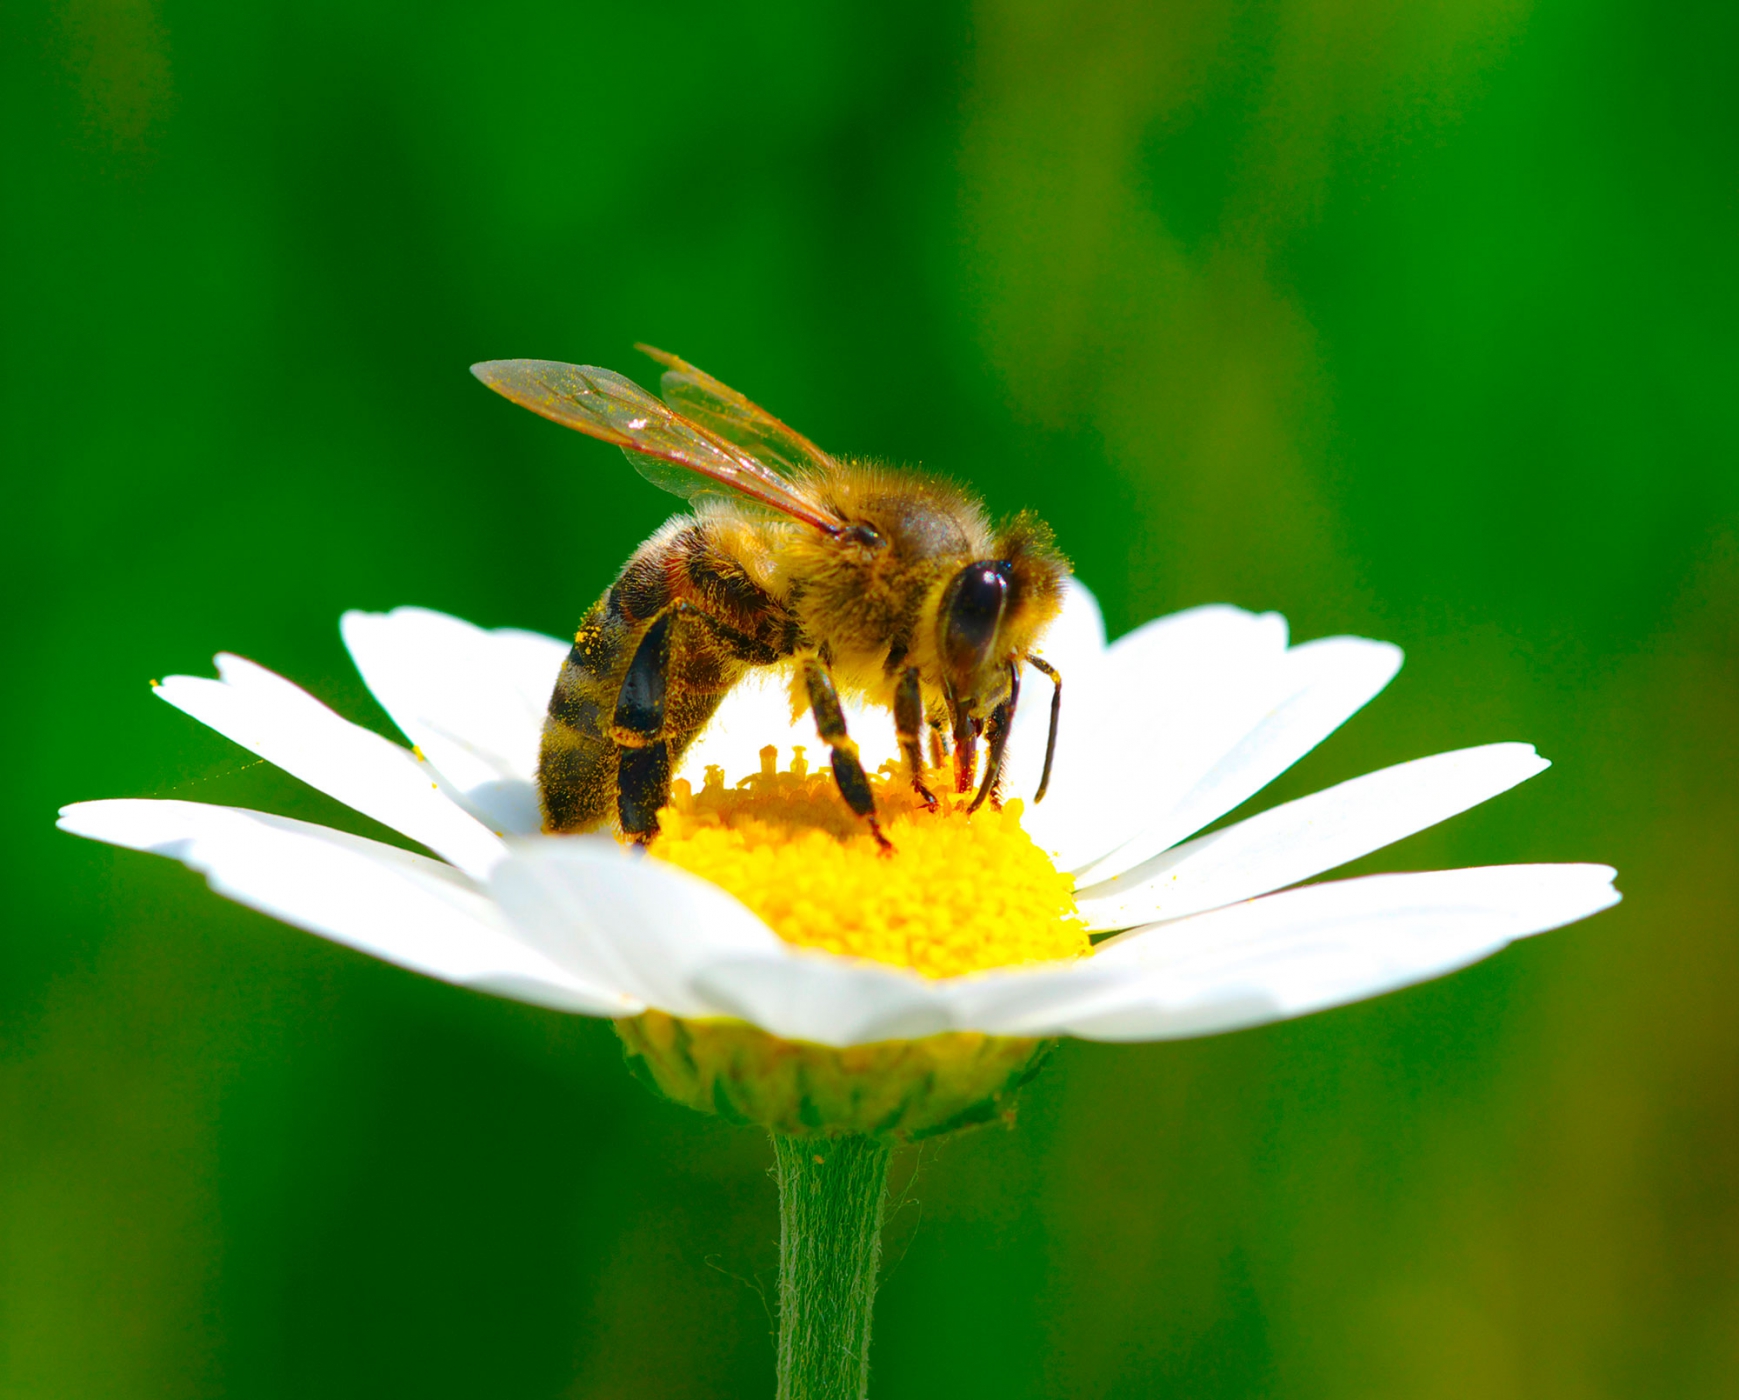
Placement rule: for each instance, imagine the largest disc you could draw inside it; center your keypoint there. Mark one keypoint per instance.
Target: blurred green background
(1411, 320)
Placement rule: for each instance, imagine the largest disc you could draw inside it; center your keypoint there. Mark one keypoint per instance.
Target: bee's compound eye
(973, 612)
(866, 535)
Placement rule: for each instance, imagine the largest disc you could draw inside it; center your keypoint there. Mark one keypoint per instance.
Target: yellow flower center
(958, 893)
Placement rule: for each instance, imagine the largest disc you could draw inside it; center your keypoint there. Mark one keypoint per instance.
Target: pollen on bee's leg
(960, 891)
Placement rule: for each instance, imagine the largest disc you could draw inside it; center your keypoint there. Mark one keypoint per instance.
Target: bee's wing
(606, 406)
(723, 411)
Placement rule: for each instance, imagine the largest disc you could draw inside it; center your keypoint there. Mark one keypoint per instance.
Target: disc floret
(960, 893)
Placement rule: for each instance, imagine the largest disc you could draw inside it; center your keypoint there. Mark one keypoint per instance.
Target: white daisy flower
(1163, 732)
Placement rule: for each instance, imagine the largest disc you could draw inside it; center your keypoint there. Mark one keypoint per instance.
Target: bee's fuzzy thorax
(861, 603)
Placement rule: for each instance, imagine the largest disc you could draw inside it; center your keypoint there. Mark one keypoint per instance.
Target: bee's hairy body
(888, 586)
(747, 590)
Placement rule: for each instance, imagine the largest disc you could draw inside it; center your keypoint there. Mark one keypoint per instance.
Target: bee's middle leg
(939, 747)
(847, 769)
(909, 728)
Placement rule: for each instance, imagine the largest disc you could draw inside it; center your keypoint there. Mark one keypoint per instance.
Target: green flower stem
(830, 1242)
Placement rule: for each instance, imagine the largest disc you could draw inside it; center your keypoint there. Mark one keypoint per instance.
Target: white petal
(807, 995)
(1029, 1000)
(1054, 1001)
(1300, 839)
(685, 946)
(393, 904)
(1078, 633)
(286, 726)
(1324, 945)
(1141, 728)
(757, 712)
(472, 700)
(1309, 693)
(622, 918)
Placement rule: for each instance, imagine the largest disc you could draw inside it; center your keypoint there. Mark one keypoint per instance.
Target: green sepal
(895, 1090)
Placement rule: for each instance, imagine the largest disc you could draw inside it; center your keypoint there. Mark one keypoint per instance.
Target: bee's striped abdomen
(576, 773)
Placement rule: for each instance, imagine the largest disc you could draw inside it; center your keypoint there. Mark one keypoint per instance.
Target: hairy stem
(830, 1242)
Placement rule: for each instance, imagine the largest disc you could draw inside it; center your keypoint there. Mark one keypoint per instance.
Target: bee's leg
(847, 770)
(965, 745)
(643, 759)
(909, 727)
(642, 787)
(938, 738)
(1001, 721)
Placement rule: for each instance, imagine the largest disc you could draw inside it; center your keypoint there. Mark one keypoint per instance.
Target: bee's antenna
(1056, 713)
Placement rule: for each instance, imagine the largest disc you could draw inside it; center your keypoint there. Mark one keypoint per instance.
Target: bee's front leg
(847, 770)
(966, 731)
(909, 727)
(1001, 721)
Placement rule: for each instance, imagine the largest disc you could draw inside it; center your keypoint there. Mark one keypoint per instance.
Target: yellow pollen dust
(958, 893)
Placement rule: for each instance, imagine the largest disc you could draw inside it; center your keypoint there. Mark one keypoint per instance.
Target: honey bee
(886, 585)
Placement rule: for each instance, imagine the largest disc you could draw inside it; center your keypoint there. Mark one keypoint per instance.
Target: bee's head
(994, 609)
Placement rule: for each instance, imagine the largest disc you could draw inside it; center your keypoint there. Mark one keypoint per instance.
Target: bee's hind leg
(643, 756)
(847, 769)
(645, 743)
(642, 787)
(909, 727)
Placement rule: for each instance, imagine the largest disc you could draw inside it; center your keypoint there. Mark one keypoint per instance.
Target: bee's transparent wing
(680, 456)
(724, 412)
